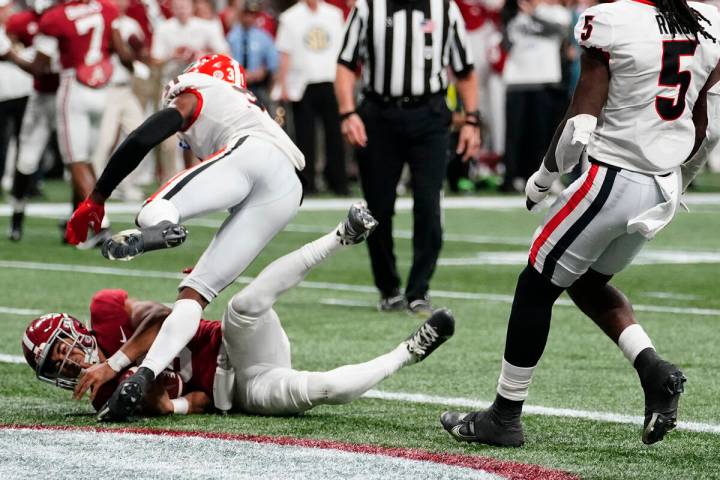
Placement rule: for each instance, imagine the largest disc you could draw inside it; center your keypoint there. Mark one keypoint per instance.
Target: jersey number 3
(671, 76)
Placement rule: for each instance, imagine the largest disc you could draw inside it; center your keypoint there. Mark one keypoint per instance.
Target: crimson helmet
(43, 334)
(221, 67)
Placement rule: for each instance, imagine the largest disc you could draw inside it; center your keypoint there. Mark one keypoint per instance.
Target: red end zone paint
(510, 470)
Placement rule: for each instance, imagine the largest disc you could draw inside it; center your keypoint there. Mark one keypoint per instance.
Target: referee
(405, 49)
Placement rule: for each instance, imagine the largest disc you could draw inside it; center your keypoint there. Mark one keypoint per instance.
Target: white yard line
(344, 287)
(470, 403)
(15, 359)
(20, 311)
(342, 204)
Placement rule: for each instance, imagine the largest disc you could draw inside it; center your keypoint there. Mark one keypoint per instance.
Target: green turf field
(581, 370)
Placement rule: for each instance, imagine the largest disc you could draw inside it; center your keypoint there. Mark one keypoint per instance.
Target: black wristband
(346, 115)
(473, 114)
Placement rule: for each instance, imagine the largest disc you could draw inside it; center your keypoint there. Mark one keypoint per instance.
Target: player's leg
(75, 106)
(268, 386)
(289, 270)
(271, 199)
(350, 382)
(573, 235)
(662, 382)
(34, 136)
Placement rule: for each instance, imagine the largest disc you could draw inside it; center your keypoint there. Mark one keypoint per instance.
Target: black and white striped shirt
(406, 46)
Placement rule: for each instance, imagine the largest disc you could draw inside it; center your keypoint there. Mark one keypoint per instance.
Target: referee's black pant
(396, 135)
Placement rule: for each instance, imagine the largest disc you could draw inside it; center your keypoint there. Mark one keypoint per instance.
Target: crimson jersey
(138, 12)
(83, 35)
(475, 13)
(24, 26)
(111, 325)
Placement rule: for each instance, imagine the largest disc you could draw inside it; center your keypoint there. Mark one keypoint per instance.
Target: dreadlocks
(686, 18)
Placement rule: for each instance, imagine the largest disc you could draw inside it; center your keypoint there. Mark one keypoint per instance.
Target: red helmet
(43, 334)
(221, 67)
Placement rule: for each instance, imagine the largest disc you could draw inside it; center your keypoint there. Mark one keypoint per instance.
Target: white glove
(573, 140)
(538, 186)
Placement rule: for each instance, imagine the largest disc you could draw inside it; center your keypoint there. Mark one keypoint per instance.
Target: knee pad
(157, 211)
(242, 310)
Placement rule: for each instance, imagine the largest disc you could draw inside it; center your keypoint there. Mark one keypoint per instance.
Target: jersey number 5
(587, 28)
(671, 76)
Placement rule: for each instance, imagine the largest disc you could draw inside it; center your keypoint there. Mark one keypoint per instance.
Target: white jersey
(655, 77)
(224, 114)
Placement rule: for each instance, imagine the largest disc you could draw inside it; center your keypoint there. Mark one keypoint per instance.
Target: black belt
(401, 102)
(603, 164)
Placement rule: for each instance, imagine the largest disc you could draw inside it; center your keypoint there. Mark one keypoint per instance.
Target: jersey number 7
(671, 76)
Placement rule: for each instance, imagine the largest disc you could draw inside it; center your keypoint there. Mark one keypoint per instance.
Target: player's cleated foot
(95, 240)
(128, 244)
(16, 226)
(484, 427)
(430, 335)
(420, 307)
(358, 225)
(662, 383)
(127, 397)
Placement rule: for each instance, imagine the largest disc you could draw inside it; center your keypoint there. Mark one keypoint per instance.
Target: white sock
(347, 383)
(105, 222)
(176, 332)
(17, 205)
(634, 340)
(318, 250)
(514, 382)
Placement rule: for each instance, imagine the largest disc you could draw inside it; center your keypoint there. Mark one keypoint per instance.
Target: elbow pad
(573, 140)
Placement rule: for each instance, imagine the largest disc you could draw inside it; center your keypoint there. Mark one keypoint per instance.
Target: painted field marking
(14, 359)
(645, 257)
(344, 287)
(470, 403)
(41, 451)
(20, 311)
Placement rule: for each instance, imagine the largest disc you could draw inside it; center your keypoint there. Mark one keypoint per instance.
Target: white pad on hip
(573, 140)
(156, 211)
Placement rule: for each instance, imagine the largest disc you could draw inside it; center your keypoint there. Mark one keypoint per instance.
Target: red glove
(88, 214)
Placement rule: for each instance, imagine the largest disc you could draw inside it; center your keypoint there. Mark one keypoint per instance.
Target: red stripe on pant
(567, 209)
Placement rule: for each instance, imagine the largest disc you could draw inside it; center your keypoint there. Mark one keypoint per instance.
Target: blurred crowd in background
(525, 56)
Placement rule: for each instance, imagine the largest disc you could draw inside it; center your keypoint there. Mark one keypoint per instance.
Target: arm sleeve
(355, 26)
(131, 152)
(594, 30)
(460, 54)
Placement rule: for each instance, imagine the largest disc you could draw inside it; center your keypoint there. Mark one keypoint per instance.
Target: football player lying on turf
(638, 133)
(249, 168)
(253, 373)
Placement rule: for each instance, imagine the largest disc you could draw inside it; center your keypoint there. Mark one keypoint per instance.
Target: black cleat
(127, 397)
(662, 385)
(483, 427)
(358, 225)
(128, 244)
(430, 335)
(16, 226)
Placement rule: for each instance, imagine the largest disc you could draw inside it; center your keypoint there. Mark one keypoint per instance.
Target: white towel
(651, 221)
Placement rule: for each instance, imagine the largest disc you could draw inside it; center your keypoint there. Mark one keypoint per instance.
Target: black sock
(507, 410)
(645, 361)
(529, 323)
